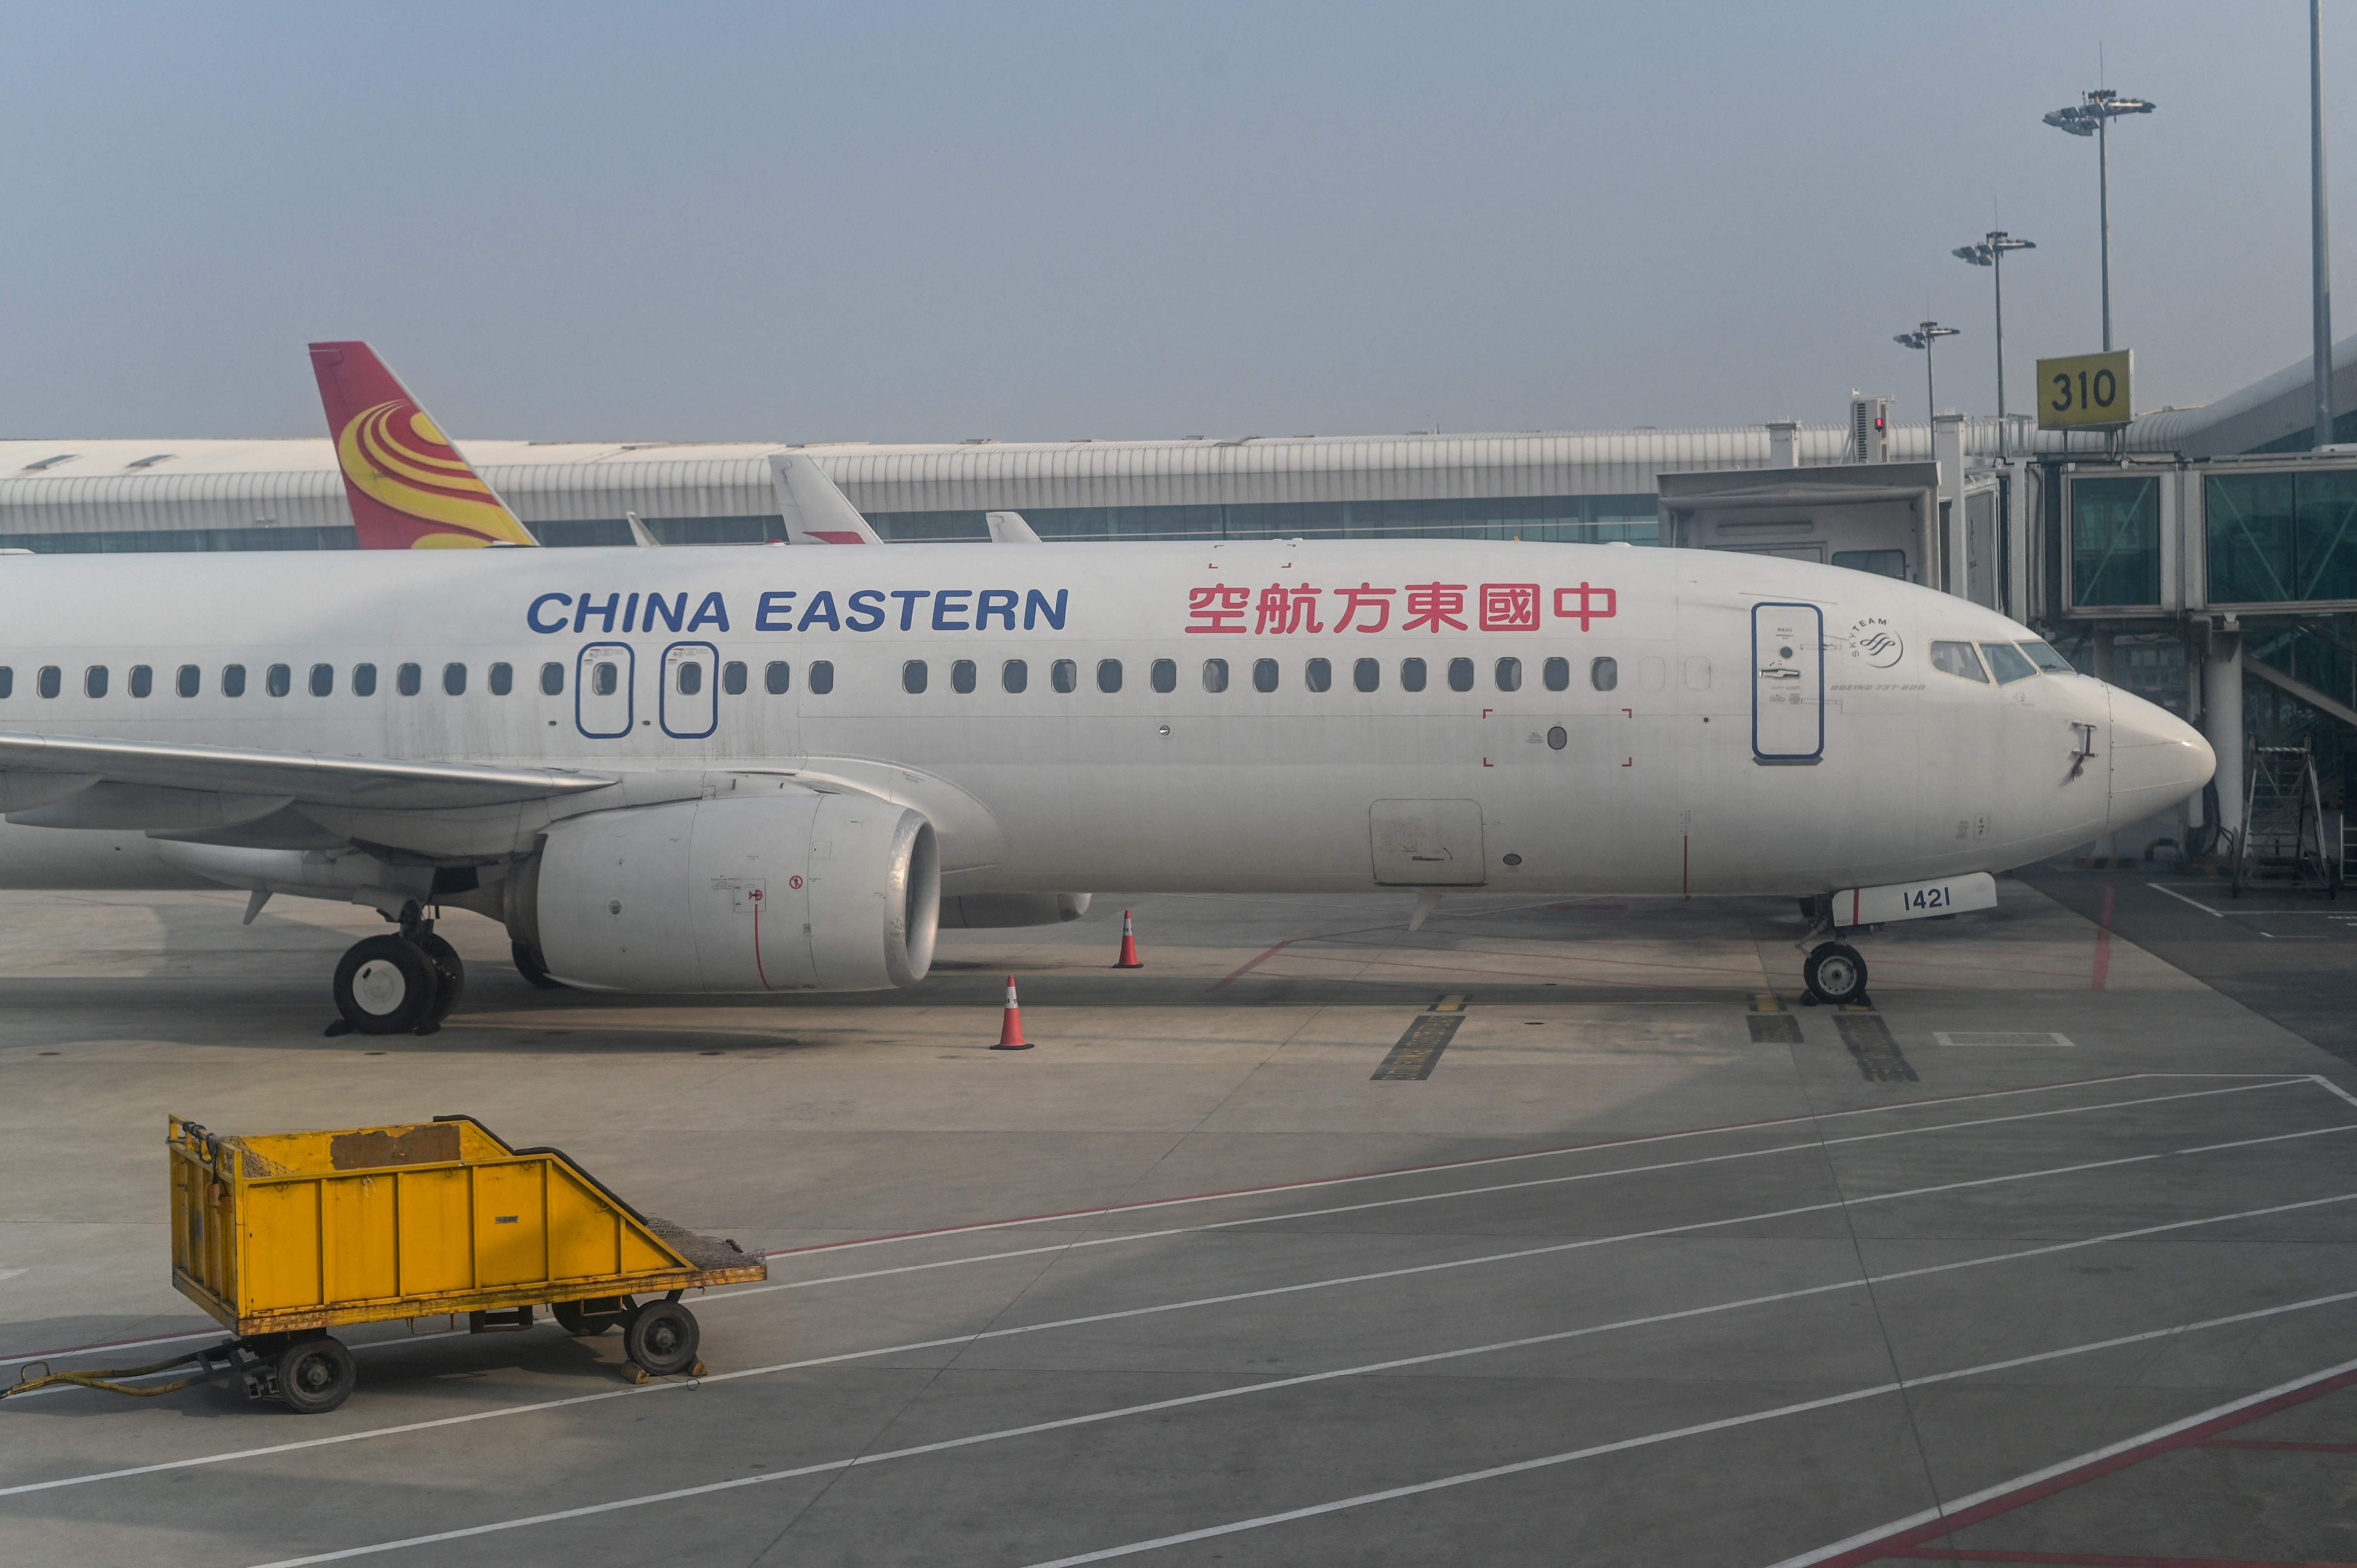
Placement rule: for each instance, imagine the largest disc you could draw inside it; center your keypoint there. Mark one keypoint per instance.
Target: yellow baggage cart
(284, 1235)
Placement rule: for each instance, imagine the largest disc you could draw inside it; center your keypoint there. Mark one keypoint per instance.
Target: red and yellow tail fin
(409, 488)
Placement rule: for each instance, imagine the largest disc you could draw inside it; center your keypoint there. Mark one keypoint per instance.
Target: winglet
(1009, 528)
(816, 512)
(409, 488)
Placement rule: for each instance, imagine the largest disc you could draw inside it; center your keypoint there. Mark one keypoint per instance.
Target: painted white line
(2272, 1080)
(2061, 1467)
(959, 1341)
(2000, 1039)
(2163, 888)
(1809, 1146)
(1722, 1425)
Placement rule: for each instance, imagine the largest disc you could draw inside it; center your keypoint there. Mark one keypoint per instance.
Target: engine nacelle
(796, 891)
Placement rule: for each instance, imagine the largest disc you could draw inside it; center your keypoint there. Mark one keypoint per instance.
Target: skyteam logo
(1873, 641)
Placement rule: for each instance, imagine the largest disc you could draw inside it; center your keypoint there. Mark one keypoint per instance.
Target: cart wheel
(586, 1320)
(449, 968)
(385, 985)
(528, 964)
(315, 1375)
(1834, 974)
(661, 1337)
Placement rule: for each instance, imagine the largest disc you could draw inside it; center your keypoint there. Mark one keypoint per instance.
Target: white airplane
(729, 771)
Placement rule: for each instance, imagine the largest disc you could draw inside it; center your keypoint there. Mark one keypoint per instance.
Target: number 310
(2105, 387)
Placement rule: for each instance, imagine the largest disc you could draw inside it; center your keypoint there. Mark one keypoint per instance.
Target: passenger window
(454, 679)
(1108, 674)
(1556, 739)
(1652, 674)
(822, 677)
(323, 679)
(1460, 674)
(1556, 673)
(503, 680)
(1164, 673)
(605, 677)
(232, 682)
(551, 679)
(732, 678)
(2006, 662)
(689, 679)
(1318, 674)
(1264, 674)
(278, 679)
(1958, 659)
(1215, 674)
(2045, 658)
(1412, 674)
(364, 680)
(409, 680)
(913, 676)
(1509, 674)
(1698, 672)
(962, 676)
(7, 680)
(1015, 675)
(1064, 675)
(1367, 674)
(188, 680)
(777, 677)
(93, 680)
(143, 680)
(50, 683)
(1604, 674)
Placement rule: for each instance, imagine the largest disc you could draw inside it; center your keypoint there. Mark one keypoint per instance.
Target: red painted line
(1437, 1166)
(1898, 1542)
(2088, 1560)
(2103, 970)
(2281, 1447)
(1239, 974)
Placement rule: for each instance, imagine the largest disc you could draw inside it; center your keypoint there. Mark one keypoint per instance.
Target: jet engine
(796, 891)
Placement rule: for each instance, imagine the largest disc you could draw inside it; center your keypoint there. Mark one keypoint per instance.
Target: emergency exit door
(602, 708)
(690, 704)
(1788, 682)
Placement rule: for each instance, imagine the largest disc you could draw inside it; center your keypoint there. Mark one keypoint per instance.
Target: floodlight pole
(2092, 116)
(2320, 259)
(1990, 253)
(1927, 333)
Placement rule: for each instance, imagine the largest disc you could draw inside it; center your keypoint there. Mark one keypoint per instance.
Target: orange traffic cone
(1128, 958)
(1010, 1026)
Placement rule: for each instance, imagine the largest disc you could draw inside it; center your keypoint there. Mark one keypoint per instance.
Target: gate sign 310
(2084, 391)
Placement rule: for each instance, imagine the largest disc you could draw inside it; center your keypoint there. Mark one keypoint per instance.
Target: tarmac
(1554, 1232)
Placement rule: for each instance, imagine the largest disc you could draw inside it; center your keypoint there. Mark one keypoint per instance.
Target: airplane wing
(409, 488)
(816, 512)
(72, 781)
(1009, 528)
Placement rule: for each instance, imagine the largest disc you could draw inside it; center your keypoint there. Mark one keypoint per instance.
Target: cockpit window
(2044, 657)
(1958, 659)
(2006, 662)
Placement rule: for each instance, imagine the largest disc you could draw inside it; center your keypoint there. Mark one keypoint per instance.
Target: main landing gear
(1834, 972)
(403, 984)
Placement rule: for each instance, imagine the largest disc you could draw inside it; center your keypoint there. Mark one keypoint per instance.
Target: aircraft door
(1788, 682)
(689, 703)
(602, 683)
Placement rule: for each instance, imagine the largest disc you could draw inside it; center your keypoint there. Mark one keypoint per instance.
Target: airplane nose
(2158, 759)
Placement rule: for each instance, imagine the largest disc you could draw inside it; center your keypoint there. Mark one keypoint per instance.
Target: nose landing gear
(398, 984)
(1834, 972)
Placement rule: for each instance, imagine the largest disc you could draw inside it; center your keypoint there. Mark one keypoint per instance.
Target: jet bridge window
(50, 683)
(962, 677)
(1264, 674)
(2045, 658)
(409, 680)
(232, 681)
(1509, 674)
(1958, 659)
(187, 680)
(2006, 662)
(1604, 674)
(777, 677)
(1108, 675)
(454, 679)
(1460, 674)
(732, 677)
(552, 680)
(278, 679)
(1558, 674)
(323, 679)
(93, 680)
(1015, 675)
(1412, 674)
(1318, 674)
(1215, 674)
(1064, 675)
(143, 680)
(364, 680)
(503, 680)
(913, 676)
(1367, 674)
(822, 677)
(1164, 674)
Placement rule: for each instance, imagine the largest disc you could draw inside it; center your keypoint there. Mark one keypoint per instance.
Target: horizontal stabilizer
(816, 512)
(409, 488)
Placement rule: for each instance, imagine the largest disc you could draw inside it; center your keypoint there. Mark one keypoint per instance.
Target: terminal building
(2197, 554)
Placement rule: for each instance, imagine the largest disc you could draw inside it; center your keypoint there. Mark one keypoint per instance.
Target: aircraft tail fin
(816, 512)
(1009, 528)
(409, 488)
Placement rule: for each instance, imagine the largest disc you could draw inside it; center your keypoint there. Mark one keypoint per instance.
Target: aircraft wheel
(1834, 974)
(450, 969)
(528, 964)
(386, 985)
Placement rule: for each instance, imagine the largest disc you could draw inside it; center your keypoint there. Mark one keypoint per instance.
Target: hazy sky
(889, 221)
